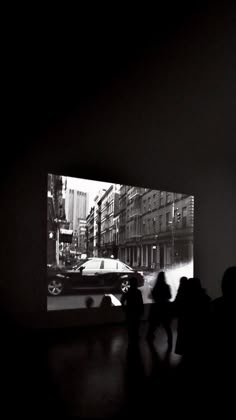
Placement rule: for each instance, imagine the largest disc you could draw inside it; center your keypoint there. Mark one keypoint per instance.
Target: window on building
(175, 215)
(148, 226)
(144, 227)
(151, 226)
(169, 197)
(162, 198)
(184, 216)
(155, 221)
(168, 220)
(160, 221)
(154, 197)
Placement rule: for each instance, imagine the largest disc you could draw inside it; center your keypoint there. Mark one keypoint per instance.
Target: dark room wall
(167, 122)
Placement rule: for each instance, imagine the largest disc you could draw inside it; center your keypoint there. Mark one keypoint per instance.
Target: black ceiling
(56, 65)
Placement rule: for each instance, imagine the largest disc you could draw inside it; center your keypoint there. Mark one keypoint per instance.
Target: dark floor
(90, 373)
(97, 376)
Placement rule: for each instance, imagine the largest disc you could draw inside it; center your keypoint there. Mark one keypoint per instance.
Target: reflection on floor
(98, 377)
(79, 301)
(91, 373)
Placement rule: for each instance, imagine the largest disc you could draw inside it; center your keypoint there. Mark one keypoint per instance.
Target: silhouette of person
(160, 313)
(228, 285)
(223, 312)
(106, 302)
(132, 302)
(89, 302)
(180, 312)
(180, 296)
(221, 357)
(193, 317)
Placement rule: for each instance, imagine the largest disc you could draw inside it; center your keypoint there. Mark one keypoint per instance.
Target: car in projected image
(105, 274)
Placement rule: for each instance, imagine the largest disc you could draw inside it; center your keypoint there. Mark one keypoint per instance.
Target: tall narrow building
(76, 207)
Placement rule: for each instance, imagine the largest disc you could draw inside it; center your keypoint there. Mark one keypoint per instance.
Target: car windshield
(53, 267)
(129, 268)
(78, 264)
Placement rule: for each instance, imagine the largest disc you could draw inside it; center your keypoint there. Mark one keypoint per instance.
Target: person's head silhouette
(183, 286)
(106, 301)
(228, 284)
(183, 281)
(89, 301)
(161, 278)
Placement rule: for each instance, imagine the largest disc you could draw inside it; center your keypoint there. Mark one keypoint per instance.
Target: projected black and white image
(100, 235)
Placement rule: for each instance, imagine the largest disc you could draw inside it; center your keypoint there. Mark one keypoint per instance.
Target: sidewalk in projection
(78, 301)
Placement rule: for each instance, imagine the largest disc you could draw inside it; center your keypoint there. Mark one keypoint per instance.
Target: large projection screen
(100, 234)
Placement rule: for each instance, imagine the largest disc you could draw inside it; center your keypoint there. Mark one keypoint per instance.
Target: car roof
(101, 258)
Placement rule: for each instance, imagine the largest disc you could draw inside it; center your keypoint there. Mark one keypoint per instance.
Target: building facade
(155, 228)
(55, 217)
(145, 228)
(130, 224)
(97, 223)
(76, 207)
(108, 209)
(82, 243)
(90, 233)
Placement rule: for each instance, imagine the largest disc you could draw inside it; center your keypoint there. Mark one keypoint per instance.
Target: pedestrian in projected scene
(160, 314)
(106, 302)
(132, 302)
(89, 302)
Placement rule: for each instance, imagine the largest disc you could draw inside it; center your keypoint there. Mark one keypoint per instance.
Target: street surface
(77, 301)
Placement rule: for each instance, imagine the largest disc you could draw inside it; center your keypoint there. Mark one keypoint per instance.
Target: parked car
(106, 274)
(55, 277)
(79, 263)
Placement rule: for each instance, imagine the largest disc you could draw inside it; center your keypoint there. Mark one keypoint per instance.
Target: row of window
(160, 217)
(151, 225)
(79, 193)
(107, 210)
(107, 237)
(153, 202)
(177, 217)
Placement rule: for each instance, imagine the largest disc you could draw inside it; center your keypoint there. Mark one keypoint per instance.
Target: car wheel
(55, 287)
(125, 286)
